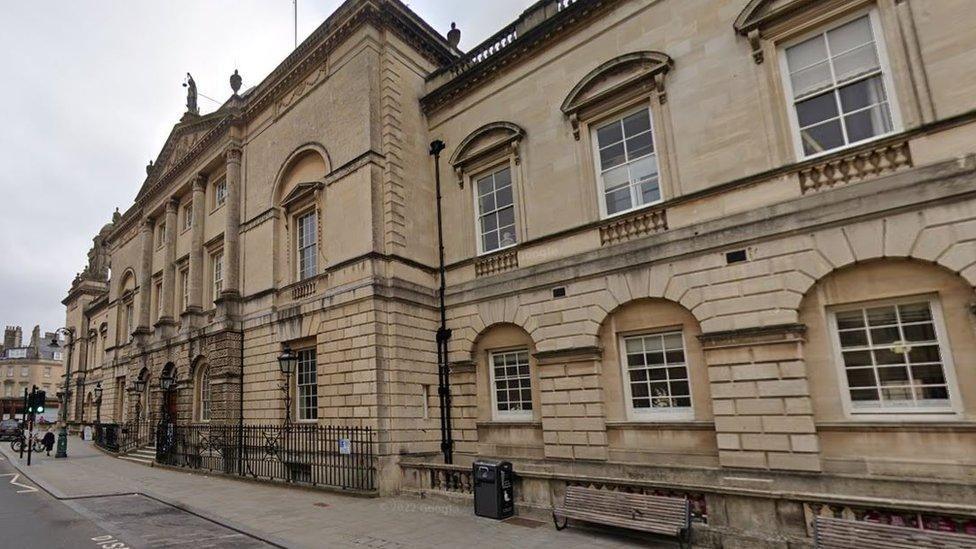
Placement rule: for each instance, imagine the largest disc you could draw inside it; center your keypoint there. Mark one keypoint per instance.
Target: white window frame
(129, 311)
(204, 396)
(655, 414)
(886, 80)
(220, 192)
(298, 404)
(56, 355)
(160, 234)
(184, 289)
(597, 166)
(490, 172)
(300, 245)
(954, 407)
(158, 290)
(187, 216)
(25, 371)
(47, 371)
(17, 353)
(216, 274)
(509, 415)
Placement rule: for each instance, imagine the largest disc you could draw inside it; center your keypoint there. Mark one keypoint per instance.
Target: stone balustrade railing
(497, 263)
(637, 225)
(872, 161)
(906, 517)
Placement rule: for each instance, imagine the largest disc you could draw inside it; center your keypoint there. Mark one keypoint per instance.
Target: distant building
(39, 363)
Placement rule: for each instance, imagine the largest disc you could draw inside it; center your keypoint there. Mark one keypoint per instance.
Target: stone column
(145, 276)
(195, 275)
(167, 320)
(761, 399)
(574, 422)
(232, 223)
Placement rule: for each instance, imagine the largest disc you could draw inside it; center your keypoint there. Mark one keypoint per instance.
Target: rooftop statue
(191, 95)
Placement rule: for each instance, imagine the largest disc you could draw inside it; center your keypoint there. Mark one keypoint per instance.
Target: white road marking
(27, 489)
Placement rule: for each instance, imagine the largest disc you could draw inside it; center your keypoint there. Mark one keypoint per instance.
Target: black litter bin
(494, 491)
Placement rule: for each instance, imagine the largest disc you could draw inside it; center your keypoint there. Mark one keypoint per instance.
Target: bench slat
(657, 514)
(834, 533)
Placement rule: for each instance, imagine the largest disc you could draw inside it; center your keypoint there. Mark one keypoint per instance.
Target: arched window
(203, 393)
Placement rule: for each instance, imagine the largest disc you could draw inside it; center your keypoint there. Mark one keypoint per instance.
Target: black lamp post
(98, 403)
(139, 386)
(166, 383)
(286, 362)
(62, 451)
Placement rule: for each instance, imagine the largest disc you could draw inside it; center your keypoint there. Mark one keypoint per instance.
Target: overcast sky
(91, 88)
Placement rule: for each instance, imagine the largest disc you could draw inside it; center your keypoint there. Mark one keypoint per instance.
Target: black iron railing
(107, 436)
(135, 434)
(316, 455)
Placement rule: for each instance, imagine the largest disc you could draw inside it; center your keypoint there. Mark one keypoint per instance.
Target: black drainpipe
(240, 428)
(443, 334)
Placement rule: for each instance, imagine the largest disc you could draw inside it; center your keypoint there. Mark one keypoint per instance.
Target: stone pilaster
(145, 276)
(573, 411)
(190, 317)
(230, 295)
(166, 324)
(761, 398)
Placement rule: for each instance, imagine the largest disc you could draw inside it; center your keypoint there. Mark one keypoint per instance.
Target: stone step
(136, 459)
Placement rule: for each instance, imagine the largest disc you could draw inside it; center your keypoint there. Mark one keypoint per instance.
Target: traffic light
(35, 402)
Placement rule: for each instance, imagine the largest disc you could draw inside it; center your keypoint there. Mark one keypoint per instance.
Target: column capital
(172, 205)
(200, 182)
(233, 153)
(147, 224)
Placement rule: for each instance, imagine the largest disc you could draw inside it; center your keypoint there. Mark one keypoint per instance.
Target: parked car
(10, 429)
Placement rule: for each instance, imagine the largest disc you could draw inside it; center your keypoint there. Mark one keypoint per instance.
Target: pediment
(181, 140)
(613, 75)
(761, 12)
(300, 192)
(486, 140)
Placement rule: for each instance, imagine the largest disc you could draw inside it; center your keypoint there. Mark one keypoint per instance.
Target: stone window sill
(687, 425)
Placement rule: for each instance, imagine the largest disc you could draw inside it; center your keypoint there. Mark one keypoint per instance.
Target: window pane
(503, 178)
(490, 241)
(855, 63)
(867, 124)
(887, 356)
(489, 222)
(485, 186)
(817, 139)
(928, 375)
(919, 332)
(639, 146)
(881, 316)
(487, 203)
(893, 375)
(816, 109)
(924, 353)
(503, 197)
(853, 338)
(861, 378)
(862, 94)
(618, 201)
(609, 134)
(644, 169)
(881, 336)
(612, 156)
(650, 192)
(850, 35)
(857, 358)
(850, 319)
(806, 53)
(932, 393)
(639, 122)
(915, 312)
(506, 217)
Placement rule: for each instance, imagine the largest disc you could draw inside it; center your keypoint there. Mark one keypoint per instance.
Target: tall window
(184, 289)
(307, 245)
(129, 320)
(307, 383)
(160, 234)
(47, 371)
(217, 269)
(627, 163)
(24, 371)
(8, 390)
(838, 87)
(220, 193)
(158, 290)
(187, 215)
(893, 357)
(496, 211)
(204, 393)
(512, 384)
(656, 374)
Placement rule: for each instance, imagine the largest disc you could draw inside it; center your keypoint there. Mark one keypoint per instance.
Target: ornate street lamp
(98, 403)
(62, 451)
(286, 362)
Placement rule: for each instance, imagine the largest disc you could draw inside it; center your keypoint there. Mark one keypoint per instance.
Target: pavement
(159, 507)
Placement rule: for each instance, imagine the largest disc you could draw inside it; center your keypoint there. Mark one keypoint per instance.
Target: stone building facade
(723, 248)
(37, 363)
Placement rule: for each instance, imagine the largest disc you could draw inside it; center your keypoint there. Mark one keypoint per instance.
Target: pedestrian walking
(48, 442)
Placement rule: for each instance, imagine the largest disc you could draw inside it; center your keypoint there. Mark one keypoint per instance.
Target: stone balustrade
(865, 163)
(633, 226)
(496, 263)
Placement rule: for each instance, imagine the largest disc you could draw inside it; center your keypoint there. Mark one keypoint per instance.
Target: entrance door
(169, 405)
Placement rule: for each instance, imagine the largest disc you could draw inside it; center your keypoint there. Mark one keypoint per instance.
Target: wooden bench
(656, 514)
(833, 533)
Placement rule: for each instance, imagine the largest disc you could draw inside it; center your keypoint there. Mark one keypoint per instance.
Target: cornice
(472, 70)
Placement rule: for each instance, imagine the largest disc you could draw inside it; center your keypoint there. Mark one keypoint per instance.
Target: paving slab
(298, 517)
